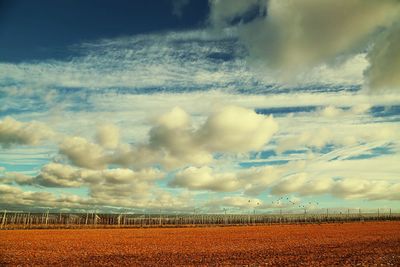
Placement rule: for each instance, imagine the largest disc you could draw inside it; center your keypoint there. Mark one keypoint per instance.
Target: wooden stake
(4, 219)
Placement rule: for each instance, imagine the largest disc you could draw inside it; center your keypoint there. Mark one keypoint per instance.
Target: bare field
(369, 243)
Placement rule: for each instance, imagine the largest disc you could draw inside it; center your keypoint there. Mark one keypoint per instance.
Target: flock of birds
(291, 202)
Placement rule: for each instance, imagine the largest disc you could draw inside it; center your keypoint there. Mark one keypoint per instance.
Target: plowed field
(372, 243)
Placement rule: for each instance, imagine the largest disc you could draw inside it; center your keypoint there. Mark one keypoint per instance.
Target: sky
(182, 105)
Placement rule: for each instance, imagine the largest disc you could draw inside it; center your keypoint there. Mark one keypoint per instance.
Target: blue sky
(177, 105)
(45, 29)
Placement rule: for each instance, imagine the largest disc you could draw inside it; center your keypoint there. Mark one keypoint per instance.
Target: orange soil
(370, 243)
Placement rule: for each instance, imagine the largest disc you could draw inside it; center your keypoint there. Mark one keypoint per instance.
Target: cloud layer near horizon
(136, 173)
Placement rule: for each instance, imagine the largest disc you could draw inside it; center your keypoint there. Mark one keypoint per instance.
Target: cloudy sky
(187, 104)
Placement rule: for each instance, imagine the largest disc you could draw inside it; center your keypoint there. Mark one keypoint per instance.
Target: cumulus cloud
(19, 178)
(173, 138)
(108, 135)
(12, 197)
(333, 174)
(348, 179)
(174, 142)
(50, 175)
(103, 195)
(297, 36)
(112, 185)
(122, 183)
(7, 189)
(203, 178)
(348, 188)
(289, 185)
(13, 132)
(60, 175)
(251, 181)
(83, 153)
(236, 129)
(255, 180)
(175, 119)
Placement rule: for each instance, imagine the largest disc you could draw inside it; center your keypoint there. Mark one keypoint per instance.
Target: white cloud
(110, 185)
(289, 185)
(336, 174)
(203, 178)
(370, 178)
(108, 135)
(59, 175)
(82, 153)
(235, 129)
(19, 178)
(175, 119)
(106, 198)
(13, 132)
(174, 142)
(251, 181)
(348, 188)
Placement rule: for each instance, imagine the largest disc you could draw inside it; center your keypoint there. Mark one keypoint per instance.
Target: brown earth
(365, 244)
